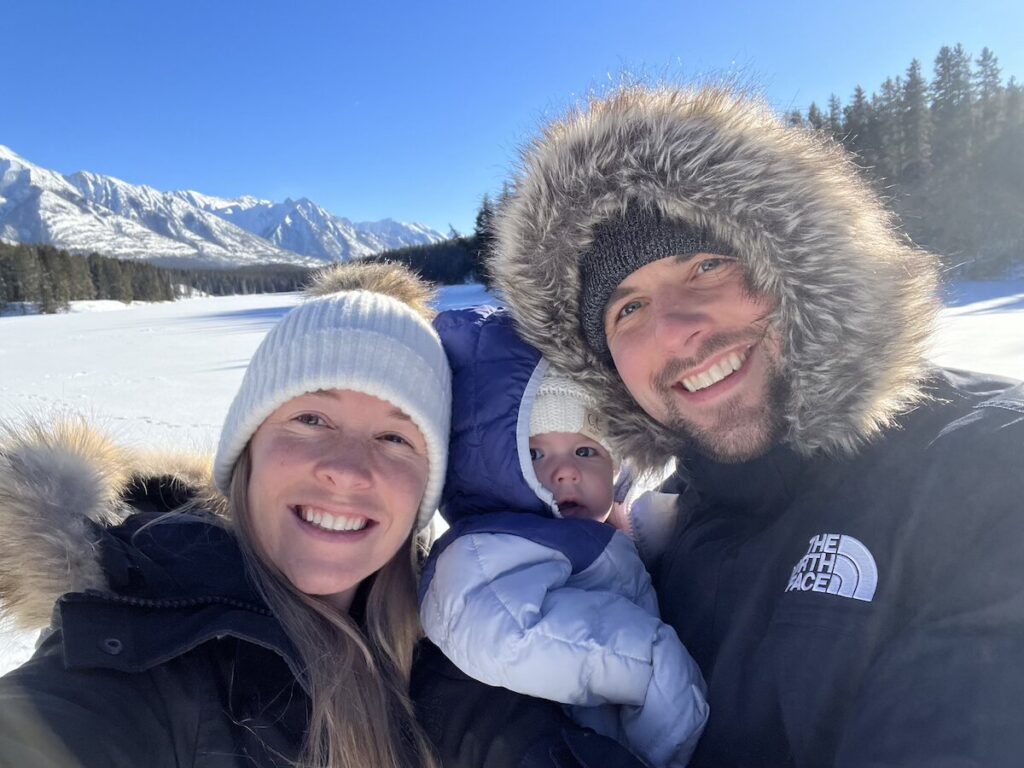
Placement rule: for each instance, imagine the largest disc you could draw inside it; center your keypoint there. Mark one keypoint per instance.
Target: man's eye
(710, 265)
(311, 419)
(397, 439)
(628, 309)
(587, 452)
(536, 454)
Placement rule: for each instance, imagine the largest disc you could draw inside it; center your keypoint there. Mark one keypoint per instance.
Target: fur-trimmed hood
(54, 483)
(856, 300)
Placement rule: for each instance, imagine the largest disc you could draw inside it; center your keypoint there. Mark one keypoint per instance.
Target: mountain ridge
(86, 212)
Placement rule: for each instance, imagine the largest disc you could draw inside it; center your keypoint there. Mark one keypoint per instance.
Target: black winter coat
(179, 664)
(865, 611)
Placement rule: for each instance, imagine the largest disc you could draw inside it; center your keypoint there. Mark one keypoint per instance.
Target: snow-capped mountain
(86, 212)
(304, 227)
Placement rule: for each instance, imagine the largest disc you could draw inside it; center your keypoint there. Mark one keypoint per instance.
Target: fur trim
(389, 278)
(53, 480)
(856, 299)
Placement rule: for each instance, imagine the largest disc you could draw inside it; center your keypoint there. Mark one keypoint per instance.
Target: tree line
(948, 154)
(49, 278)
(459, 259)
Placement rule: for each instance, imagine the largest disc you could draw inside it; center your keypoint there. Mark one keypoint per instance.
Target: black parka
(178, 663)
(866, 611)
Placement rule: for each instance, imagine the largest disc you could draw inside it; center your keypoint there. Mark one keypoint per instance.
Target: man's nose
(681, 326)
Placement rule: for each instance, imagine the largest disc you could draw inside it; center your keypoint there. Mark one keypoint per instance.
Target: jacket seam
(173, 603)
(1010, 405)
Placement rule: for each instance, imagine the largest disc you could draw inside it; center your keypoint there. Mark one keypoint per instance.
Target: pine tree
(113, 282)
(915, 125)
(856, 126)
(80, 279)
(59, 263)
(951, 108)
(886, 132)
(6, 261)
(815, 118)
(481, 242)
(1013, 109)
(835, 117)
(795, 119)
(26, 275)
(988, 94)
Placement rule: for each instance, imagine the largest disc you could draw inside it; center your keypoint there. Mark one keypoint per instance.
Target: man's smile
(718, 369)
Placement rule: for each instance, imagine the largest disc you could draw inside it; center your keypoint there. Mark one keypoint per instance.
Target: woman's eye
(311, 419)
(536, 454)
(587, 452)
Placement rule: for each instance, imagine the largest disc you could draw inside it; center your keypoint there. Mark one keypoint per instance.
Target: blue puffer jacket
(518, 597)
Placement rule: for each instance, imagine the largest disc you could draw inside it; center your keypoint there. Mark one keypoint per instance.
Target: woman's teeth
(331, 522)
(716, 373)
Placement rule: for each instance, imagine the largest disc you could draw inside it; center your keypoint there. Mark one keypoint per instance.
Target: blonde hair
(357, 678)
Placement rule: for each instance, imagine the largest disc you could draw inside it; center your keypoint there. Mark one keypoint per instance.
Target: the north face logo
(838, 565)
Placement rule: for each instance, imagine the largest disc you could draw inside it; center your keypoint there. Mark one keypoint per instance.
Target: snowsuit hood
(495, 377)
(855, 299)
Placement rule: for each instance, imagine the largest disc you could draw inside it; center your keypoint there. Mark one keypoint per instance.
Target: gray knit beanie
(358, 340)
(620, 247)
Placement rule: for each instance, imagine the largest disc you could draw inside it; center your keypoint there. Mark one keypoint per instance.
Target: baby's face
(577, 470)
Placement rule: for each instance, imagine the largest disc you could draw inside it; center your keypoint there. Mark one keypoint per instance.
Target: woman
(271, 626)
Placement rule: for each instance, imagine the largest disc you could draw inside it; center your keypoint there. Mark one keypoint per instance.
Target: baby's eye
(536, 454)
(397, 439)
(311, 419)
(587, 452)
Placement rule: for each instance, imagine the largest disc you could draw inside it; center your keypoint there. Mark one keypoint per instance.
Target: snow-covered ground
(164, 374)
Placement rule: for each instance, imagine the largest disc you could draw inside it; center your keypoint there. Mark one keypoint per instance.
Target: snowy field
(164, 374)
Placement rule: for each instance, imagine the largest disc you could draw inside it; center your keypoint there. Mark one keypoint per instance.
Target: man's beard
(737, 432)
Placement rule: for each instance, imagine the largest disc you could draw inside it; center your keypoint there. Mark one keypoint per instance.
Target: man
(848, 561)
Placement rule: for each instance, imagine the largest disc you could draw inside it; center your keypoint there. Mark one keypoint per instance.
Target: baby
(530, 589)
(570, 456)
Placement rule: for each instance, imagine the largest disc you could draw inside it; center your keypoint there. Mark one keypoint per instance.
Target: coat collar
(175, 582)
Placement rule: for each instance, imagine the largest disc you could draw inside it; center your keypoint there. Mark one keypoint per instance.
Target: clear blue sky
(412, 109)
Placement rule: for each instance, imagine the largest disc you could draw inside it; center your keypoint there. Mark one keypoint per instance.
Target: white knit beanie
(358, 340)
(562, 405)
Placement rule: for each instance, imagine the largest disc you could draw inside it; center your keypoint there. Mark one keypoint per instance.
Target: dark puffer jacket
(864, 612)
(160, 652)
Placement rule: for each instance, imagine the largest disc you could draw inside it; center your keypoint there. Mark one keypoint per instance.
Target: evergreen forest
(48, 279)
(947, 154)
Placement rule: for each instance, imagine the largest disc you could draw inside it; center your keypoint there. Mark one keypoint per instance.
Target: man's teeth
(331, 522)
(716, 373)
